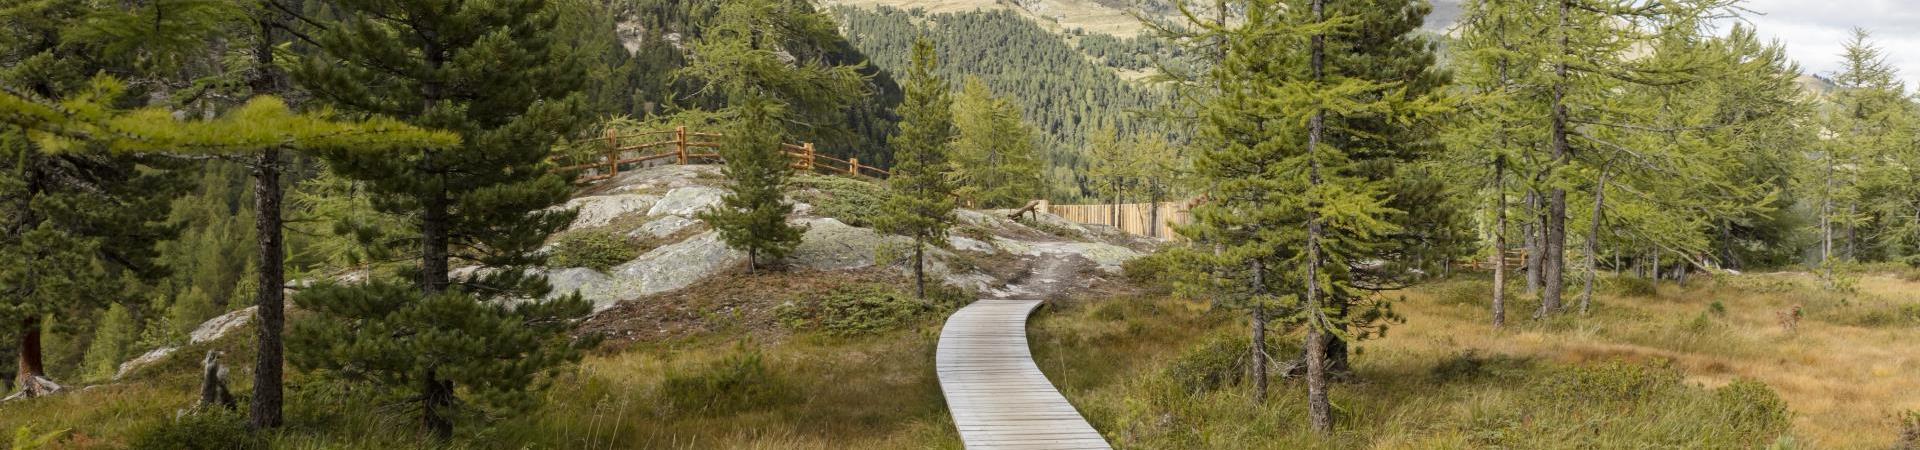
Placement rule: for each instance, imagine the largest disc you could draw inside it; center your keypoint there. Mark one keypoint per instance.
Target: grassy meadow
(1650, 368)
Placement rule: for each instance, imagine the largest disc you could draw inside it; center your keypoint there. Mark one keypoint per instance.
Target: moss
(597, 250)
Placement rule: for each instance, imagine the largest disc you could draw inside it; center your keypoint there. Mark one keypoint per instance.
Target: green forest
(398, 224)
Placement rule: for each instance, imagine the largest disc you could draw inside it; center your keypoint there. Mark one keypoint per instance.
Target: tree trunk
(1553, 259)
(31, 371)
(1593, 240)
(436, 405)
(270, 294)
(1319, 409)
(919, 267)
(1259, 344)
(1531, 233)
(1500, 243)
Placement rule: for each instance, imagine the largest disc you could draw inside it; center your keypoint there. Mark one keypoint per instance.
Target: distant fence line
(679, 146)
(1137, 219)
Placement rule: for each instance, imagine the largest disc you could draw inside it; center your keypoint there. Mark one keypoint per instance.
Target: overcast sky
(1813, 30)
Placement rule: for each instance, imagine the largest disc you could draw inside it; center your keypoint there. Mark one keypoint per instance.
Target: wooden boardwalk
(998, 397)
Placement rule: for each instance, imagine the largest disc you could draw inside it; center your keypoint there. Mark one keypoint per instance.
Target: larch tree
(486, 203)
(750, 55)
(920, 204)
(1293, 212)
(995, 161)
(1867, 126)
(1112, 168)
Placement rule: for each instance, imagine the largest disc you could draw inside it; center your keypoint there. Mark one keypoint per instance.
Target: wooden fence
(1135, 218)
(679, 146)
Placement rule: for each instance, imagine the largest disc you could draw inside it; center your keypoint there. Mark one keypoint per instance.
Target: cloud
(1814, 31)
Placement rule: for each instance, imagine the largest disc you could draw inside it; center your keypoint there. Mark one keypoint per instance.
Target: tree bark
(1500, 243)
(1593, 240)
(437, 402)
(269, 365)
(1553, 258)
(1319, 408)
(31, 373)
(1259, 344)
(1530, 230)
(270, 294)
(919, 267)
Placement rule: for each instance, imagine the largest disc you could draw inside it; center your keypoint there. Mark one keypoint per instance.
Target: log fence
(681, 146)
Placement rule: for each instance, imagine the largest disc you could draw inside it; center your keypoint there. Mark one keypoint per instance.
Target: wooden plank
(998, 397)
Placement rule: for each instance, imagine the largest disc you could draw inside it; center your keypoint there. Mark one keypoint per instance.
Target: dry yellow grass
(1844, 383)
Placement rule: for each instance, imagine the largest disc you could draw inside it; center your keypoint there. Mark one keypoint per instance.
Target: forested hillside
(1062, 91)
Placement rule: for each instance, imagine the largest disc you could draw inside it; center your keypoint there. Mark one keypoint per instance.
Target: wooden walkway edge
(997, 395)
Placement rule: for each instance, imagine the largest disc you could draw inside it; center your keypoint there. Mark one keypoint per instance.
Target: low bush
(1464, 292)
(853, 201)
(208, 430)
(593, 249)
(857, 309)
(739, 381)
(1221, 362)
(1629, 286)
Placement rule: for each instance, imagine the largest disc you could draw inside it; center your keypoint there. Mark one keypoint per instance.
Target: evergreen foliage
(438, 64)
(752, 216)
(922, 202)
(995, 161)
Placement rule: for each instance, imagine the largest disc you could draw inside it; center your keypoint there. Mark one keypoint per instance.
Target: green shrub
(1470, 366)
(1220, 362)
(853, 201)
(1628, 286)
(1717, 308)
(1148, 270)
(207, 430)
(597, 250)
(1751, 410)
(854, 310)
(739, 381)
(1466, 292)
(24, 438)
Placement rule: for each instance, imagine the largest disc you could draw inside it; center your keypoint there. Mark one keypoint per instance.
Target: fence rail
(685, 147)
(1140, 219)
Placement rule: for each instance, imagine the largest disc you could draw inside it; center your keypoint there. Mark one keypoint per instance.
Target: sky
(1813, 30)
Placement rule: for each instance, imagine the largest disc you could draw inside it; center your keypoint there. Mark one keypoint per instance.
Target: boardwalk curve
(997, 395)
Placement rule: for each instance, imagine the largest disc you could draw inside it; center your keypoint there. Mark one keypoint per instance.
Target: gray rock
(663, 227)
(145, 359)
(219, 326)
(687, 201)
(601, 210)
(1107, 256)
(968, 244)
(663, 177)
(667, 268)
(581, 279)
(830, 244)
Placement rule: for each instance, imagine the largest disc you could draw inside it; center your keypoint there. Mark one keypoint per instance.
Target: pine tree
(921, 203)
(995, 163)
(1291, 210)
(1112, 168)
(752, 216)
(437, 64)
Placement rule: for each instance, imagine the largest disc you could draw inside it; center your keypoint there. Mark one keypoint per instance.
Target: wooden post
(853, 165)
(808, 148)
(613, 153)
(680, 143)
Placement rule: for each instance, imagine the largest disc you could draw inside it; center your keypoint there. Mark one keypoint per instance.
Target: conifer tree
(1112, 168)
(752, 216)
(921, 203)
(439, 64)
(1291, 210)
(995, 162)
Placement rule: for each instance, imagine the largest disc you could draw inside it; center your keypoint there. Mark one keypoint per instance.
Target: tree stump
(213, 384)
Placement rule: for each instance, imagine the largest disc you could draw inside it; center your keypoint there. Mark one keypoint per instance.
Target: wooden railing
(689, 147)
(1513, 259)
(1139, 219)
